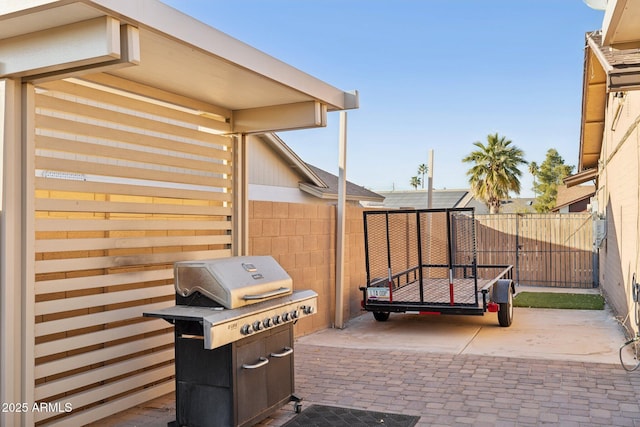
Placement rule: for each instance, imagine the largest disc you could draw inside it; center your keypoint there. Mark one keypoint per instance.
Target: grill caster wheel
(297, 407)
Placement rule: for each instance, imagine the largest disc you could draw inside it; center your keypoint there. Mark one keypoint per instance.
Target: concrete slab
(576, 335)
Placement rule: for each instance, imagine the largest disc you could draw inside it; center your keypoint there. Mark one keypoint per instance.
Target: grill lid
(233, 282)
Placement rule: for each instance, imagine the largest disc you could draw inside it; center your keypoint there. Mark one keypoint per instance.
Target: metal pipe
(450, 257)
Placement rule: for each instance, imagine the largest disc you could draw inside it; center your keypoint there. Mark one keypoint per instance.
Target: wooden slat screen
(125, 186)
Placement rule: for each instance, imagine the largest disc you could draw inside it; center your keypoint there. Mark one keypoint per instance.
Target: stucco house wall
(270, 179)
(610, 153)
(618, 199)
(277, 174)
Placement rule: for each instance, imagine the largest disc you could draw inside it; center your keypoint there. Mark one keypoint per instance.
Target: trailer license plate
(379, 294)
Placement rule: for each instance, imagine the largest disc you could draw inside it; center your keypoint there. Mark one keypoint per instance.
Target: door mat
(324, 416)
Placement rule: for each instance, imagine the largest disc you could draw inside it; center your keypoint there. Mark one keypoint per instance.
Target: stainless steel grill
(233, 282)
(234, 339)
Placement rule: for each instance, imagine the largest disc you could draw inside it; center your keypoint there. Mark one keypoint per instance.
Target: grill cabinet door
(251, 382)
(262, 389)
(280, 369)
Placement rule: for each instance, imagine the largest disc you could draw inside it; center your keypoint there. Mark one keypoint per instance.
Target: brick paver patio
(447, 389)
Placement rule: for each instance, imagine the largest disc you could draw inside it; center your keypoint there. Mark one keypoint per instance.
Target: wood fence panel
(124, 188)
(545, 249)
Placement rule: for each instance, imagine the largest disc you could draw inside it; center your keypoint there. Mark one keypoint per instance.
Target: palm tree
(415, 181)
(495, 172)
(422, 170)
(533, 170)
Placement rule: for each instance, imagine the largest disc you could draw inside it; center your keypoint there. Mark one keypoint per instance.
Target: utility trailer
(424, 261)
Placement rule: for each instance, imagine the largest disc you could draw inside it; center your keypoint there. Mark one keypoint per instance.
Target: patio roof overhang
(620, 28)
(146, 47)
(581, 177)
(608, 73)
(594, 96)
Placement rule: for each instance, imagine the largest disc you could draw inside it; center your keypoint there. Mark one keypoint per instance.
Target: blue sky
(431, 75)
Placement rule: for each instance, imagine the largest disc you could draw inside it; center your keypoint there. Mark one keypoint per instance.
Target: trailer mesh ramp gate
(425, 261)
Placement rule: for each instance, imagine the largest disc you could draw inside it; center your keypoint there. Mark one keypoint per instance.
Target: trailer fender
(501, 289)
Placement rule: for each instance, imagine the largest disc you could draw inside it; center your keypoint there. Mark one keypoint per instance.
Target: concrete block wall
(302, 239)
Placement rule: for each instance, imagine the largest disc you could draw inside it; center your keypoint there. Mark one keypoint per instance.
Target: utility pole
(430, 180)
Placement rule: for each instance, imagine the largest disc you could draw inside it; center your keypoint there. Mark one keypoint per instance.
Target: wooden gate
(545, 249)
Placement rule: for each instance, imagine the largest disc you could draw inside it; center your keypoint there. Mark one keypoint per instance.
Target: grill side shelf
(182, 312)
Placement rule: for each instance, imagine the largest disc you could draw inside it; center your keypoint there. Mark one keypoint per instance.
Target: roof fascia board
(579, 199)
(623, 80)
(597, 51)
(179, 26)
(307, 188)
(351, 100)
(617, 79)
(314, 191)
(292, 158)
(464, 200)
(581, 177)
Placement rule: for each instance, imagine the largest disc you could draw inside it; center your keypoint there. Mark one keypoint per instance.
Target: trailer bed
(424, 261)
(436, 291)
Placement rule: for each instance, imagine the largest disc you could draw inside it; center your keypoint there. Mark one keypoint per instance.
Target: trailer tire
(505, 311)
(381, 316)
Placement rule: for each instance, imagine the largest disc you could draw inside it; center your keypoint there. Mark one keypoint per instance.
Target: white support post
(17, 280)
(11, 361)
(240, 196)
(28, 236)
(340, 217)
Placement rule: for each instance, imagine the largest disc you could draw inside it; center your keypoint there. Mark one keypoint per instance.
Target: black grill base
(212, 387)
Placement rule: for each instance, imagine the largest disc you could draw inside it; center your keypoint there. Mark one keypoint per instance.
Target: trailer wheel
(381, 316)
(505, 312)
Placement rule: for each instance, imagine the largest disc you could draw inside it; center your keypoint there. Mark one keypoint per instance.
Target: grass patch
(559, 300)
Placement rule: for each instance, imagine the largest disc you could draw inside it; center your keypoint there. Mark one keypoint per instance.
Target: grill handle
(266, 294)
(287, 351)
(263, 361)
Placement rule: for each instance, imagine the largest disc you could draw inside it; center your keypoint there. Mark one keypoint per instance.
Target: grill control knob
(307, 309)
(257, 325)
(276, 319)
(246, 329)
(294, 314)
(285, 316)
(266, 322)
